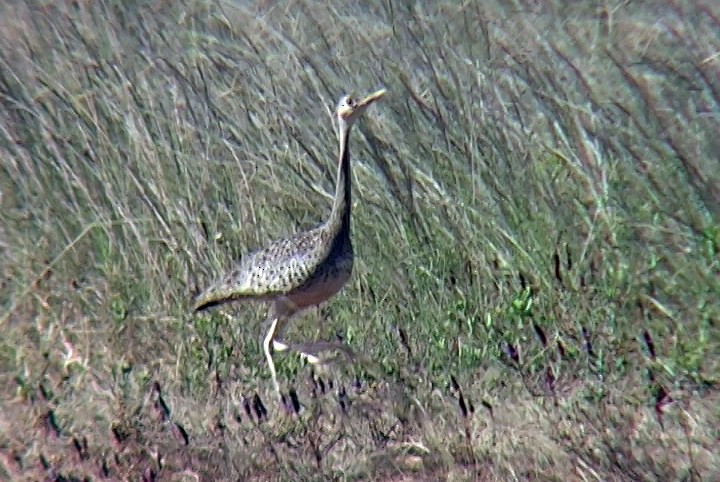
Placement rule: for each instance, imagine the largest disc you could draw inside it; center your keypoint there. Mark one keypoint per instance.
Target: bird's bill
(371, 98)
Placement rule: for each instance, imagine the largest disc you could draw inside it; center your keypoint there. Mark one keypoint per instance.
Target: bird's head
(350, 108)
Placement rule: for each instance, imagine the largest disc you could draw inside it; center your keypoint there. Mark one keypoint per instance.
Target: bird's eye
(350, 101)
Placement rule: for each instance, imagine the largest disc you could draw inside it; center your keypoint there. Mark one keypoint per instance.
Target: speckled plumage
(303, 270)
(288, 267)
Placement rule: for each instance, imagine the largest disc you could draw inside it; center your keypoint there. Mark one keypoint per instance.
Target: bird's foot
(312, 359)
(310, 352)
(280, 346)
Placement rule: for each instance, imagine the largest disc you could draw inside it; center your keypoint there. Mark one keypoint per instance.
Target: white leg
(280, 312)
(268, 355)
(281, 308)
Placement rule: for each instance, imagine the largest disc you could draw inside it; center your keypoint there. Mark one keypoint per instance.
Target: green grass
(536, 222)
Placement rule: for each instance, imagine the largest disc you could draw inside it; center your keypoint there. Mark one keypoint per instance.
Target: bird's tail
(211, 298)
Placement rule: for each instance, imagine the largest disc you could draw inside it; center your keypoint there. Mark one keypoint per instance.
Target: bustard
(306, 269)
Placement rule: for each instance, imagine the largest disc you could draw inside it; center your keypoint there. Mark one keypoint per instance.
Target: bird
(303, 270)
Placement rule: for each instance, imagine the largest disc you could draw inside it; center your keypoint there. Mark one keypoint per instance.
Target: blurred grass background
(536, 225)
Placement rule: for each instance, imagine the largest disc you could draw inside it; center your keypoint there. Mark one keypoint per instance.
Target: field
(536, 294)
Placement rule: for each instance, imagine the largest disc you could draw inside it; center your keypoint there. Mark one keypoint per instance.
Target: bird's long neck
(339, 221)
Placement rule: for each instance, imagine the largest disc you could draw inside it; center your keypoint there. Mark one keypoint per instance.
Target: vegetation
(537, 222)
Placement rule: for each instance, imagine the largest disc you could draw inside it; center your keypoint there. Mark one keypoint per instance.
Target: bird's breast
(327, 282)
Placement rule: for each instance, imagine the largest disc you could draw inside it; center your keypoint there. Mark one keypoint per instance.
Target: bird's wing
(274, 270)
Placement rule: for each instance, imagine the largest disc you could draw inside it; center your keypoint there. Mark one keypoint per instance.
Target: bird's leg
(268, 354)
(288, 308)
(280, 313)
(311, 351)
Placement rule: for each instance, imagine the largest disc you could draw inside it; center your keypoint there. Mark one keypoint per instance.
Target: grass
(536, 223)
